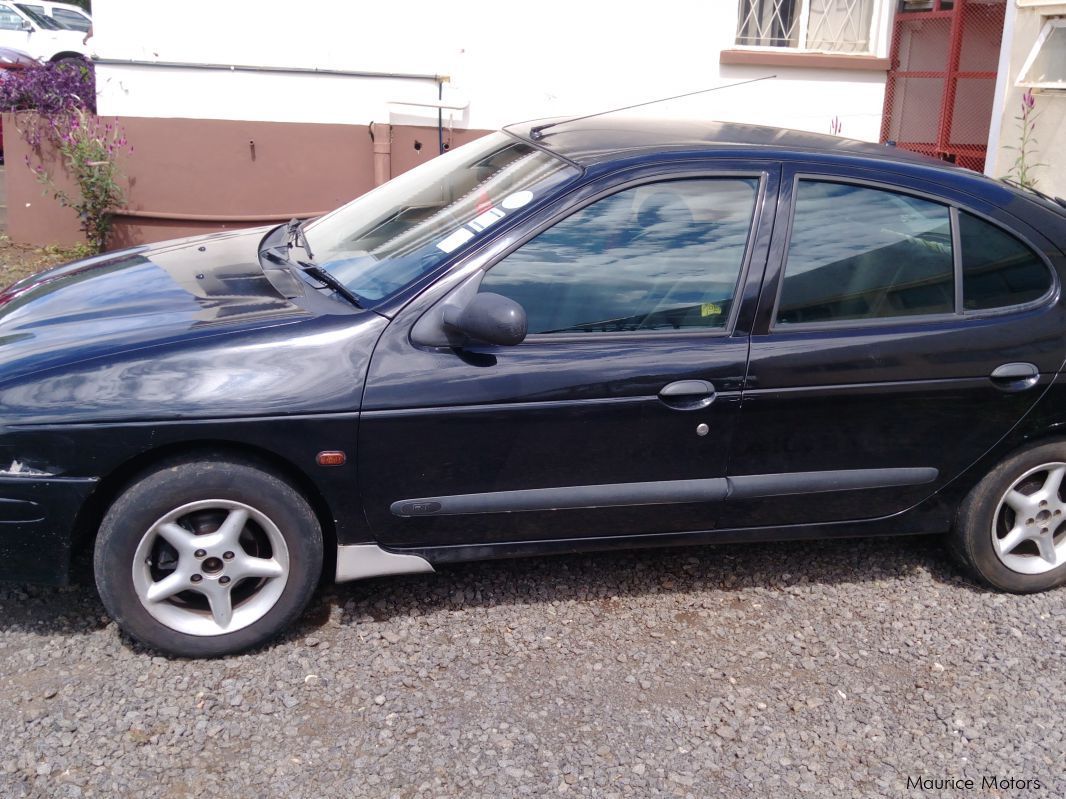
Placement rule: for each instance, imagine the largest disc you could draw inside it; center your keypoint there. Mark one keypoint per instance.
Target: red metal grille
(938, 99)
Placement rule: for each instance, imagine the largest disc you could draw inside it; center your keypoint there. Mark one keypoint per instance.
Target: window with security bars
(835, 26)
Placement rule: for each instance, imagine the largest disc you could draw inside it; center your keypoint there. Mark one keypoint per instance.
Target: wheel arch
(66, 55)
(956, 491)
(91, 514)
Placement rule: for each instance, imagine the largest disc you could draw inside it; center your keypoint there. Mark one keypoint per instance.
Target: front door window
(658, 257)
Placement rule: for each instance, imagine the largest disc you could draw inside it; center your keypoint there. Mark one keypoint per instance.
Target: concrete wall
(1050, 131)
(191, 176)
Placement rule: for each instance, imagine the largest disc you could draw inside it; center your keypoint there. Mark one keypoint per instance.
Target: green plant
(1022, 169)
(87, 148)
(55, 106)
(75, 253)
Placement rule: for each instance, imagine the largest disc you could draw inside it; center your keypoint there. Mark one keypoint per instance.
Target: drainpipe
(381, 136)
(440, 119)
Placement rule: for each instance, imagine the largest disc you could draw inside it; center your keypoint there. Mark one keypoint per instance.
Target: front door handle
(688, 395)
(1012, 377)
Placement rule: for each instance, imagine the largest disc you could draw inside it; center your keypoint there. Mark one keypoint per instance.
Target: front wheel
(207, 558)
(1011, 529)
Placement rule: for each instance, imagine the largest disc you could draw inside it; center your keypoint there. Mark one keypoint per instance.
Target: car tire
(1011, 528)
(207, 558)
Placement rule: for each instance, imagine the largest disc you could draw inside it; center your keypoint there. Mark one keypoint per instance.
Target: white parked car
(65, 14)
(39, 36)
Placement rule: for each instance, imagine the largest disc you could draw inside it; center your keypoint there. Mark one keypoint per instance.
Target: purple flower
(1028, 101)
(49, 89)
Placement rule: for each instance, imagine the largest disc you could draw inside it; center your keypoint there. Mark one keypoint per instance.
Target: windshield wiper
(324, 277)
(297, 238)
(295, 232)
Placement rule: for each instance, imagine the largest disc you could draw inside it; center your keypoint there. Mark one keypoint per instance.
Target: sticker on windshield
(490, 217)
(517, 200)
(455, 240)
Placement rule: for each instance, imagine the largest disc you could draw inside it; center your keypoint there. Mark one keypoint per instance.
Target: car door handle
(688, 395)
(1015, 376)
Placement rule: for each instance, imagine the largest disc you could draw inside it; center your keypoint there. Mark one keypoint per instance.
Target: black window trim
(960, 313)
(761, 173)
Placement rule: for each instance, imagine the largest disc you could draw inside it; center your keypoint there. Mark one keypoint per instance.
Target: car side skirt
(360, 561)
(935, 522)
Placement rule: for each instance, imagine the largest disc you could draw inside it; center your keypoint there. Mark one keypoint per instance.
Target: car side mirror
(491, 318)
(27, 27)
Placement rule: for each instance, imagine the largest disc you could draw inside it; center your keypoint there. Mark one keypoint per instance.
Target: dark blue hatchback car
(584, 335)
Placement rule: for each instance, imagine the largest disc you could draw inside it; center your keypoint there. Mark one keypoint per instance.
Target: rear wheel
(1011, 529)
(207, 558)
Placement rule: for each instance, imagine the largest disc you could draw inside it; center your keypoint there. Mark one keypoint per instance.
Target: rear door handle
(688, 395)
(1015, 376)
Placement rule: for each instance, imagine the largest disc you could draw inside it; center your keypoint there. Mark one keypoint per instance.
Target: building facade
(1033, 59)
(247, 112)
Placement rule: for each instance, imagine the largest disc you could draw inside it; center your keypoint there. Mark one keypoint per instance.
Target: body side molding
(754, 486)
(666, 492)
(359, 561)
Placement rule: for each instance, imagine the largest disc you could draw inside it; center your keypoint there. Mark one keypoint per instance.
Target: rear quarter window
(998, 270)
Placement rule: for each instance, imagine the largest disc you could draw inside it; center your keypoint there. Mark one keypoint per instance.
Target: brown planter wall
(190, 176)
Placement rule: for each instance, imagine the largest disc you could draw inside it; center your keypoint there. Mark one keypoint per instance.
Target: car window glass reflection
(407, 227)
(663, 256)
(9, 20)
(862, 253)
(997, 269)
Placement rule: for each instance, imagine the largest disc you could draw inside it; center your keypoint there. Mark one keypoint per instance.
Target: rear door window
(858, 252)
(71, 19)
(864, 253)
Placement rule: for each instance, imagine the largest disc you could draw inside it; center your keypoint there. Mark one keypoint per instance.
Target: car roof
(608, 138)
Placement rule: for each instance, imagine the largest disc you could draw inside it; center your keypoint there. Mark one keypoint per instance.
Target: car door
(902, 331)
(615, 415)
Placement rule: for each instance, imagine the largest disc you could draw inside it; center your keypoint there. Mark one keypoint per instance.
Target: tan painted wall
(191, 176)
(1050, 130)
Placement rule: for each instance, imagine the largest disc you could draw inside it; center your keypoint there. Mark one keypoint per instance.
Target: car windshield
(402, 230)
(40, 19)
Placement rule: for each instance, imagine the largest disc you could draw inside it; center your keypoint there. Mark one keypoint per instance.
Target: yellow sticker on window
(710, 309)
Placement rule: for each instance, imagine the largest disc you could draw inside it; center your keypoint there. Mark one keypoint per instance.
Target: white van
(71, 16)
(39, 36)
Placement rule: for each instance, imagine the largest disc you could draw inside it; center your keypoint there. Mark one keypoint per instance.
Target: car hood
(100, 335)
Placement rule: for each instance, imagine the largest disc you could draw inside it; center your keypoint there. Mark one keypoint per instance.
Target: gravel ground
(824, 669)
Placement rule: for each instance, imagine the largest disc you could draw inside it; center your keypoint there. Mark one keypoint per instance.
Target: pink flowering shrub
(1022, 170)
(60, 101)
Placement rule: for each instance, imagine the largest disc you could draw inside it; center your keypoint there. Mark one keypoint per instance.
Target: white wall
(507, 62)
(1050, 126)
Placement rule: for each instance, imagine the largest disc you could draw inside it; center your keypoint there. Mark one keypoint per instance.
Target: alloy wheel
(1029, 526)
(211, 567)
